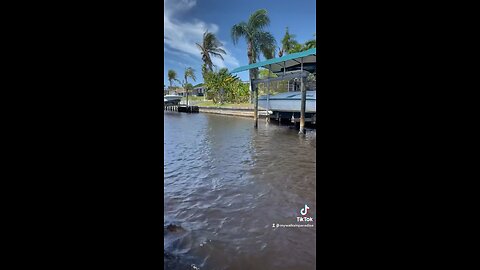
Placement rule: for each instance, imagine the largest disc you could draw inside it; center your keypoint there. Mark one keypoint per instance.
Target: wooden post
(303, 103)
(255, 110)
(252, 86)
(267, 120)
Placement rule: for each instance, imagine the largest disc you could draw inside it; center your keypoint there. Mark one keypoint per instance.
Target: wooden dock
(294, 116)
(181, 108)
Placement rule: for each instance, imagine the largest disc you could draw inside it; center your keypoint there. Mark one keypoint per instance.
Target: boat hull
(171, 99)
(289, 102)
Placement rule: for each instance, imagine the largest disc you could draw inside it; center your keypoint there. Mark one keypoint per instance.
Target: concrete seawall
(244, 112)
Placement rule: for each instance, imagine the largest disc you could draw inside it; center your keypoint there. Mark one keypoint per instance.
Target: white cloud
(229, 61)
(181, 54)
(181, 36)
(178, 5)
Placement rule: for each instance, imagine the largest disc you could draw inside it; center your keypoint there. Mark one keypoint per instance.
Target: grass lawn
(199, 101)
(210, 103)
(192, 98)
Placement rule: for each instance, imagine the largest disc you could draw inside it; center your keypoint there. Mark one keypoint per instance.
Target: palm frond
(217, 55)
(172, 75)
(238, 30)
(266, 44)
(219, 50)
(258, 19)
(309, 44)
(268, 52)
(190, 73)
(288, 41)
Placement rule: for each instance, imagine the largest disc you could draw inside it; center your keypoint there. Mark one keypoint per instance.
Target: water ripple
(227, 183)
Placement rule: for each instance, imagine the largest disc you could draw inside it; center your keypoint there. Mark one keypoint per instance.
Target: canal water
(226, 188)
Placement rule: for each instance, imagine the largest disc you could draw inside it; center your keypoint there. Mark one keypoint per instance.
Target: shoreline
(232, 111)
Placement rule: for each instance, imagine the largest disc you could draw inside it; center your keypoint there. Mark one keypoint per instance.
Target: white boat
(172, 99)
(288, 102)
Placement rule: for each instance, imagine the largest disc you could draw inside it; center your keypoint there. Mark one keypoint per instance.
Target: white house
(200, 90)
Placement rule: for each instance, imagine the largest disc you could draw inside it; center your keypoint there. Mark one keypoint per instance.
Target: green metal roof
(278, 63)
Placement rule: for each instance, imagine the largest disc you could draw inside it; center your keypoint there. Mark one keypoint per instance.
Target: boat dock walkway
(181, 108)
(244, 112)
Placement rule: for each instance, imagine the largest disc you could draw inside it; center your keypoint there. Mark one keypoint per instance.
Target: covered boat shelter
(298, 65)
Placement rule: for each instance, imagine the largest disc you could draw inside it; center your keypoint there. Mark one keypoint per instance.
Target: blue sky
(185, 21)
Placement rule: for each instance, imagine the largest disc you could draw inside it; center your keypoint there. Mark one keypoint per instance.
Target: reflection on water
(226, 184)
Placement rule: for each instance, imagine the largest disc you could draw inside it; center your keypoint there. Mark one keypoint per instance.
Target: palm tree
(309, 44)
(288, 42)
(258, 40)
(269, 52)
(172, 76)
(210, 46)
(189, 73)
(312, 43)
(296, 48)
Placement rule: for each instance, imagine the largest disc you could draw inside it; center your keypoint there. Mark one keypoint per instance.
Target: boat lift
(303, 62)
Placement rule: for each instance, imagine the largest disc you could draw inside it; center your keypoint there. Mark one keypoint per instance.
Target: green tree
(264, 74)
(309, 44)
(288, 43)
(224, 87)
(312, 43)
(258, 40)
(272, 87)
(296, 48)
(210, 46)
(188, 87)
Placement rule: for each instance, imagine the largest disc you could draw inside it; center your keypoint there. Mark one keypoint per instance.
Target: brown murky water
(226, 187)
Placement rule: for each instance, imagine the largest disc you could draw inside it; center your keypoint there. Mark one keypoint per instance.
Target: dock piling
(303, 102)
(255, 110)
